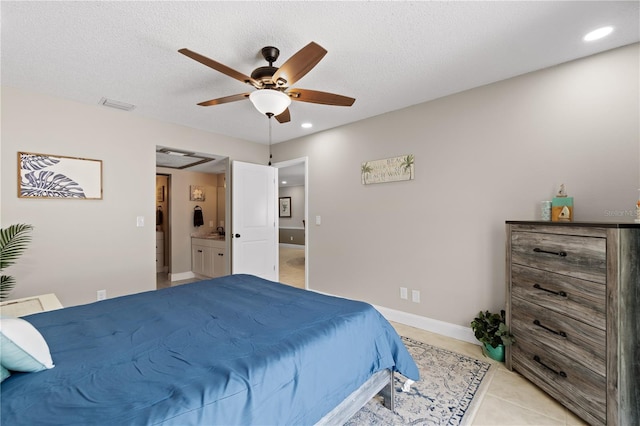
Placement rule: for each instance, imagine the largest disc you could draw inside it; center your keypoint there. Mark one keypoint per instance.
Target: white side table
(30, 305)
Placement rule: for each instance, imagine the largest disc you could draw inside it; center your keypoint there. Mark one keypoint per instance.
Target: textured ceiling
(387, 55)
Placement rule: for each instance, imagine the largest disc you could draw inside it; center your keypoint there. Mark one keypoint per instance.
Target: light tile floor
(510, 399)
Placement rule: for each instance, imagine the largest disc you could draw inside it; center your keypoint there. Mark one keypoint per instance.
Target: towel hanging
(198, 219)
(159, 217)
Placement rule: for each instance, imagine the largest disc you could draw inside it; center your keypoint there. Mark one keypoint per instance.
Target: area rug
(450, 389)
(296, 262)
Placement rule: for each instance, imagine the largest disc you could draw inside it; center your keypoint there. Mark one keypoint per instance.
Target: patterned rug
(449, 381)
(296, 262)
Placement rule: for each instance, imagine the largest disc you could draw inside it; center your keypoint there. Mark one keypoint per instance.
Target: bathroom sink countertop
(210, 237)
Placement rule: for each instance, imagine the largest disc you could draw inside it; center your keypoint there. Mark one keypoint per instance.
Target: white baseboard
(435, 326)
(181, 276)
(428, 324)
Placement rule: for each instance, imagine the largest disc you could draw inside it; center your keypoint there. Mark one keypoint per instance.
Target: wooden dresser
(573, 306)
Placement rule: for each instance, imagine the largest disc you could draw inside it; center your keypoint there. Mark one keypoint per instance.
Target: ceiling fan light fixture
(269, 101)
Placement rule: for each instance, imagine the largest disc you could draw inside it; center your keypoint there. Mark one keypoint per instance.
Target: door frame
(294, 162)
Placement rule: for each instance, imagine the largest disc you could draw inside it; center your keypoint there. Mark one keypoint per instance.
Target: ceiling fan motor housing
(264, 74)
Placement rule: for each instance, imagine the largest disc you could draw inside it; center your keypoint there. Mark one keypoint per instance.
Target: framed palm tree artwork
(388, 170)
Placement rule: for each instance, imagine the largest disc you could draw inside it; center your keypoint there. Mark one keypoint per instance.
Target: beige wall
(481, 157)
(80, 247)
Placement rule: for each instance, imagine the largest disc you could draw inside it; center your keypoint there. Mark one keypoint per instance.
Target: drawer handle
(536, 358)
(557, 293)
(559, 333)
(220, 254)
(199, 251)
(557, 253)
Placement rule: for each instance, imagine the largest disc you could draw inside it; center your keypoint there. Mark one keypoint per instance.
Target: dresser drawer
(575, 256)
(578, 388)
(585, 344)
(580, 299)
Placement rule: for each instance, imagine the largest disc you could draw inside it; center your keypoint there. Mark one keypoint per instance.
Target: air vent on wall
(116, 104)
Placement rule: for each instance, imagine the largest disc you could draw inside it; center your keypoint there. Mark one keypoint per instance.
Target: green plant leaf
(13, 242)
(491, 328)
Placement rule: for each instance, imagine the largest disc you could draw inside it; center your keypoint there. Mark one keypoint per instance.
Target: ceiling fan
(274, 92)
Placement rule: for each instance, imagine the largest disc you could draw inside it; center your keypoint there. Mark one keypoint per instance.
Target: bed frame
(380, 383)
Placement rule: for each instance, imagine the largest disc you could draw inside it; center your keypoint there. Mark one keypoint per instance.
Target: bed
(235, 350)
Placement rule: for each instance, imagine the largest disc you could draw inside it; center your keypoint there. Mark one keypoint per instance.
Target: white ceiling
(387, 55)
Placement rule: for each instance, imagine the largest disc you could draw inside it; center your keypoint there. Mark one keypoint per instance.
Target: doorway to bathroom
(194, 181)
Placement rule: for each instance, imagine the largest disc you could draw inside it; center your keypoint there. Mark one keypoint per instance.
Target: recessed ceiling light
(306, 125)
(598, 34)
(284, 182)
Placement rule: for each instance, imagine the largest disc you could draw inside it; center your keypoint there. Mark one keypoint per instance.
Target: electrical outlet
(291, 238)
(415, 296)
(102, 294)
(403, 293)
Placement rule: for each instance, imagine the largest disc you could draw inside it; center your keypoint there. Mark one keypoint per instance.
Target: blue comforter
(233, 350)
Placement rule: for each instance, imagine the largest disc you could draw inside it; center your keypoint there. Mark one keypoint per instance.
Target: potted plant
(492, 331)
(13, 241)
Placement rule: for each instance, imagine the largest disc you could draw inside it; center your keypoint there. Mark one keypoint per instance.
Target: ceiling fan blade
(225, 100)
(220, 67)
(316, 97)
(299, 65)
(284, 117)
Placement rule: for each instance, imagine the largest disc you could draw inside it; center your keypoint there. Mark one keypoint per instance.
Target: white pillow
(22, 347)
(4, 373)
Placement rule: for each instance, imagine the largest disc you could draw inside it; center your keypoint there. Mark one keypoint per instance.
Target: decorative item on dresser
(573, 305)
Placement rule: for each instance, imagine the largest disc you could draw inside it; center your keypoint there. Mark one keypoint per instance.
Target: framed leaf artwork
(59, 177)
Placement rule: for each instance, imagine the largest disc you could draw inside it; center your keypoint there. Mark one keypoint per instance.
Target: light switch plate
(403, 292)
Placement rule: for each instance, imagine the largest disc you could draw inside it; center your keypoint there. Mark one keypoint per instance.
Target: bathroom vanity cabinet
(208, 257)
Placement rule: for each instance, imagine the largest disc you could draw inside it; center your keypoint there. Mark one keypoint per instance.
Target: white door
(254, 243)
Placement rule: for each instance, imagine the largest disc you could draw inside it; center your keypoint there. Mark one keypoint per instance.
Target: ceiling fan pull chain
(269, 118)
